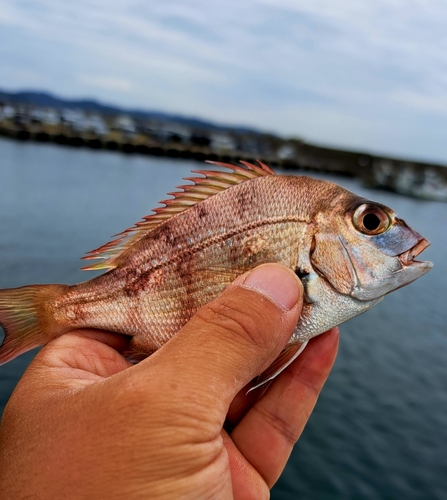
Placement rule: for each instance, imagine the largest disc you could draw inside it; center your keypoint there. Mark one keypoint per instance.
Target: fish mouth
(408, 258)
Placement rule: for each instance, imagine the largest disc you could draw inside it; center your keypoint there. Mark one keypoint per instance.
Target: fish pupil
(371, 222)
(302, 274)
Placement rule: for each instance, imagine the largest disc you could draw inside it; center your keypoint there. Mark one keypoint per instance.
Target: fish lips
(411, 270)
(414, 267)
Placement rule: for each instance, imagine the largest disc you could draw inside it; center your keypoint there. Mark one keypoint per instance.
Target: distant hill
(46, 99)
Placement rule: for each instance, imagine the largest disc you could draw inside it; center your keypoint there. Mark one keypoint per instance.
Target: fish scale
(348, 252)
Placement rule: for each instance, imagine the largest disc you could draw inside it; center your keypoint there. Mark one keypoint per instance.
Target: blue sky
(361, 74)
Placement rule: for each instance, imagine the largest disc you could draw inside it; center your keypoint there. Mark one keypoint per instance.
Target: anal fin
(286, 357)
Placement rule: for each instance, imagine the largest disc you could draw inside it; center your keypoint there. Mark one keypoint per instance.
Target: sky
(360, 74)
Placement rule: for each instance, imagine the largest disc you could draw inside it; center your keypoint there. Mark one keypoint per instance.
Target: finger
(242, 403)
(267, 433)
(117, 341)
(246, 481)
(84, 350)
(232, 339)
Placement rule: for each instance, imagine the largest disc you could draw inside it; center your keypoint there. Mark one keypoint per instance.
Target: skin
(83, 423)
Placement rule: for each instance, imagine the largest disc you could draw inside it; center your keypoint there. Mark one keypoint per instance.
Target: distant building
(125, 124)
(221, 141)
(434, 186)
(48, 116)
(172, 132)
(94, 123)
(75, 119)
(8, 111)
(383, 172)
(249, 144)
(407, 179)
(286, 152)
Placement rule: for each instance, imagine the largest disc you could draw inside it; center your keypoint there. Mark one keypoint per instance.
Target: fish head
(364, 250)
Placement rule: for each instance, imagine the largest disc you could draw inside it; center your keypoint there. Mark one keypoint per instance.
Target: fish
(349, 252)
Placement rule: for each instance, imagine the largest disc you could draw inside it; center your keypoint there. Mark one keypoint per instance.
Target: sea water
(379, 430)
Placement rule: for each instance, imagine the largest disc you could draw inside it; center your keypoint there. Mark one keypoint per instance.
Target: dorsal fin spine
(211, 183)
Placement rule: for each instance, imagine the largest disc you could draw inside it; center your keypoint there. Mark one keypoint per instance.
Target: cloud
(107, 82)
(359, 73)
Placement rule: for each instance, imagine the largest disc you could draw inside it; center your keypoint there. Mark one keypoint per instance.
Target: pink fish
(349, 253)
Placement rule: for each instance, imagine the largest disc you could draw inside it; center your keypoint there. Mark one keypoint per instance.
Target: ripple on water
(379, 430)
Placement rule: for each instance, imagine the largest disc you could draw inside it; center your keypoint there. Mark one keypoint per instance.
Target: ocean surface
(379, 430)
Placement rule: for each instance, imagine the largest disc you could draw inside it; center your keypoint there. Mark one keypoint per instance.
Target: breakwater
(198, 147)
(411, 178)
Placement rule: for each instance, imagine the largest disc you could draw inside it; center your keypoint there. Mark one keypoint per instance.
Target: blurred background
(105, 107)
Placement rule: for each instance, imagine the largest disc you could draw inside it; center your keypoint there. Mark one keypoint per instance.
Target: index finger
(267, 433)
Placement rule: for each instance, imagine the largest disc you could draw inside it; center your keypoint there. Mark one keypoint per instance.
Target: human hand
(84, 423)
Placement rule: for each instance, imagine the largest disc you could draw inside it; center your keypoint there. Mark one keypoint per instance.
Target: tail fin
(25, 320)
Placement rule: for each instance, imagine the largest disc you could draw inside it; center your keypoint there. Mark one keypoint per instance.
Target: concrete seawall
(422, 180)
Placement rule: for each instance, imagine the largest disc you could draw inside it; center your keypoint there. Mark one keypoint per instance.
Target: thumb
(234, 338)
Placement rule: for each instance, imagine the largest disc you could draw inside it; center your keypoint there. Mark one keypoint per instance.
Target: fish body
(347, 251)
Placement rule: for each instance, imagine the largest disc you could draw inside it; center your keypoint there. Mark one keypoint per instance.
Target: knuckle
(243, 321)
(309, 381)
(279, 425)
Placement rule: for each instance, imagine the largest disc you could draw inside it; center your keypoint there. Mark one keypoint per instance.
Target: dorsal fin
(201, 188)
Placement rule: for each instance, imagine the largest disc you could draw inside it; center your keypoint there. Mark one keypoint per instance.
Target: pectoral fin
(286, 357)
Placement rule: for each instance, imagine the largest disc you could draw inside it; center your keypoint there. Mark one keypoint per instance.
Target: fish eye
(371, 220)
